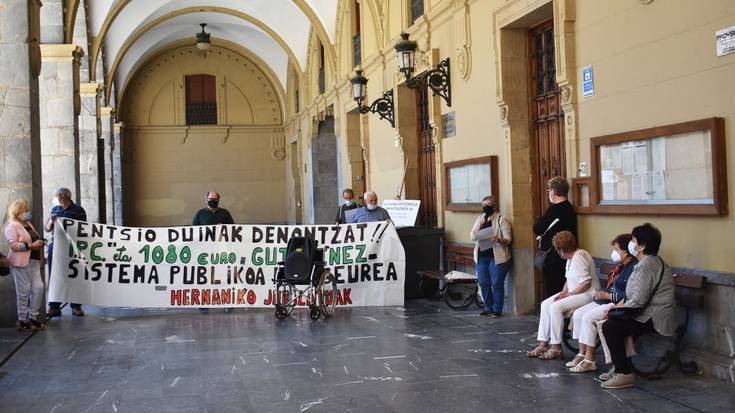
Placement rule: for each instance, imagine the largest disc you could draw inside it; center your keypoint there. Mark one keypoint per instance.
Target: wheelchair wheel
(285, 298)
(459, 296)
(281, 312)
(479, 302)
(327, 293)
(314, 312)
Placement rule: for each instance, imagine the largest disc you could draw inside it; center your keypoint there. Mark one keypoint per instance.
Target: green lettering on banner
(93, 252)
(361, 253)
(255, 257)
(346, 259)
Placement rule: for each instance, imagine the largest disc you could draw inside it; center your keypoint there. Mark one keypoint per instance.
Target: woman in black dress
(561, 209)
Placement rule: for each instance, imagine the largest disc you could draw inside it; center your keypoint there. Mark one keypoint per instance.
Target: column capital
(89, 89)
(61, 53)
(106, 111)
(117, 126)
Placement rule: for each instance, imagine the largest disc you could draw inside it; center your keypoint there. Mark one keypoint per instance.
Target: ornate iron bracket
(437, 79)
(383, 106)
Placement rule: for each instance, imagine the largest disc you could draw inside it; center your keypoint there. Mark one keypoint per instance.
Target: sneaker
(619, 381)
(35, 325)
(53, 312)
(77, 312)
(22, 325)
(496, 315)
(607, 376)
(485, 313)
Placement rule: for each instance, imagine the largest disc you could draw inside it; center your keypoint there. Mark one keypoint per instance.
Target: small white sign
(403, 212)
(725, 40)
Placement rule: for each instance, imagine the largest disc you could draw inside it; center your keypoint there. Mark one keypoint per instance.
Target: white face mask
(631, 248)
(615, 256)
(372, 207)
(348, 202)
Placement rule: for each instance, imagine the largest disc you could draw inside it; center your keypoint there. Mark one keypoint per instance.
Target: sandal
(575, 362)
(537, 352)
(551, 354)
(581, 368)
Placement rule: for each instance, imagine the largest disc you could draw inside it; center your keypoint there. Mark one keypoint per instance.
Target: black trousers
(615, 332)
(553, 273)
(50, 256)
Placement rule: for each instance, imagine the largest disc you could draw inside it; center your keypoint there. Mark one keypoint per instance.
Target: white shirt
(580, 269)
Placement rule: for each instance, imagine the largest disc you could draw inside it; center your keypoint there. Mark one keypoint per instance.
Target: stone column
(59, 107)
(89, 151)
(106, 142)
(19, 141)
(117, 131)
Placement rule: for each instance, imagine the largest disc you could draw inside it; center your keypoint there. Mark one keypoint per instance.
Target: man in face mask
(212, 215)
(349, 197)
(371, 212)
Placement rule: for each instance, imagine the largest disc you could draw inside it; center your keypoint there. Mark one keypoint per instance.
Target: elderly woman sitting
(585, 318)
(649, 296)
(581, 282)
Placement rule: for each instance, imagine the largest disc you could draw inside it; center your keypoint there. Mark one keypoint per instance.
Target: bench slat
(459, 249)
(689, 281)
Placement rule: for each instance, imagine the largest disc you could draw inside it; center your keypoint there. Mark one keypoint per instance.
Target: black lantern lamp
(203, 42)
(382, 106)
(437, 79)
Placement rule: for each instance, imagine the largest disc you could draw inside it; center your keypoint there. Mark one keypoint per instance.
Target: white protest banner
(217, 265)
(403, 212)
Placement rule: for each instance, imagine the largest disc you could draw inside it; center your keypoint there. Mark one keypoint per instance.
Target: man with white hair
(371, 212)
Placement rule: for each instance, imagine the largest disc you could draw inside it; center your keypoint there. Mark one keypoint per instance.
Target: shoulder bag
(539, 261)
(627, 313)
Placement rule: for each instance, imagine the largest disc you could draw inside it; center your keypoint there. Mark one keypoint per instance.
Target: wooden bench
(434, 285)
(689, 295)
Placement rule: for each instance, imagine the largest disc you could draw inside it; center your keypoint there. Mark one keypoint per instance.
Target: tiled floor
(421, 358)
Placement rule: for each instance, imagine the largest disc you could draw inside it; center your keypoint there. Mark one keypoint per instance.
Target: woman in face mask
(585, 318)
(492, 234)
(581, 283)
(25, 264)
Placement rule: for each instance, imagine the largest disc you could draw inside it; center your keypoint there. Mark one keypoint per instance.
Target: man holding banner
(213, 215)
(65, 209)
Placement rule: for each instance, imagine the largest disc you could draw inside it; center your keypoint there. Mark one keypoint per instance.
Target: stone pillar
(59, 108)
(106, 142)
(117, 131)
(88, 151)
(19, 140)
(52, 22)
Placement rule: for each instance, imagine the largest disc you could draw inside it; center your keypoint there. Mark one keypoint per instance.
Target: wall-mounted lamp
(382, 106)
(203, 42)
(436, 79)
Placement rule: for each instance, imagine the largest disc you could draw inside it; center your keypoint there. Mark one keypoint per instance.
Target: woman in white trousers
(581, 283)
(584, 320)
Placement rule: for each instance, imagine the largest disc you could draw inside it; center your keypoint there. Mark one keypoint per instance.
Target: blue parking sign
(588, 87)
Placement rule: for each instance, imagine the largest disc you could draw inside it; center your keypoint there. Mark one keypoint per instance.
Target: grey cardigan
(638, 291)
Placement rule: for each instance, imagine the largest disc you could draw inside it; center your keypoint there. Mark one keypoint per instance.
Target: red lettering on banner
(175, 297)
(206, 297)
(215, 297)
(339, 299)
(225, 296)
(185, 294)
(241, 296)
(346, 294)
(251, 297)
(195, 297)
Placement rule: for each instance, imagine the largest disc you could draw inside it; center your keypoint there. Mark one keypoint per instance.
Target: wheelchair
(303, 279)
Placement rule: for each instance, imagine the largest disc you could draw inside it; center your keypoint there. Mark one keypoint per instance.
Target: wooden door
(426, 155)
(547, 122)
(547, 117)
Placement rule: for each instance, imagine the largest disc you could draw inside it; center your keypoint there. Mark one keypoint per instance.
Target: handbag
(4, 265)
(539, 261)
(627, 313)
